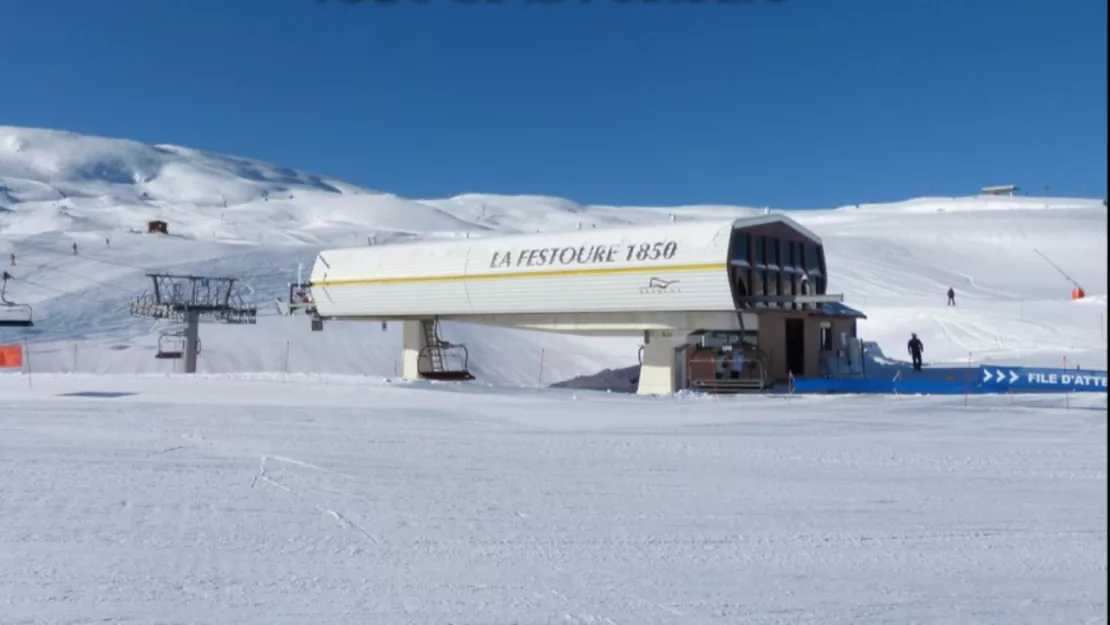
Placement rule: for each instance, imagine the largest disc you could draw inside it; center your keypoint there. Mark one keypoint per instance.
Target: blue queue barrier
(977, 381)
(881, 386)
(1022, 379)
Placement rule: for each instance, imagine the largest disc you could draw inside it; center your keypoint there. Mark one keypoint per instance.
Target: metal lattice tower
(191, 299)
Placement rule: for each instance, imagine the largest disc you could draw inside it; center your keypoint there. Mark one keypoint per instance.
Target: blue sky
(796, 104)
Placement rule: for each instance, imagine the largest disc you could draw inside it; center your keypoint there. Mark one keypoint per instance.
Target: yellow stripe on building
(559, 273)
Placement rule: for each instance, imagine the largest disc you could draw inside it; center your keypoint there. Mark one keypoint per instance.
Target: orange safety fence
(11, 356)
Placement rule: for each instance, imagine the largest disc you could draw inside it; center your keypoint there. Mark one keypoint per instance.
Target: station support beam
(412, 341)
(659, 371)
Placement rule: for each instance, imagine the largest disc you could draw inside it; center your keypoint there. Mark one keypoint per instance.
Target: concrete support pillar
(412, 341)
(658, 372)
(192, 336)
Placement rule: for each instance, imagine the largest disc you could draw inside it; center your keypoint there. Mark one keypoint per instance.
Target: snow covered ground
(328, 499)
(292, 482)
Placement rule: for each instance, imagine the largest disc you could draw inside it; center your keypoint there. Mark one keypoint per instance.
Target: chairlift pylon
(13, 314)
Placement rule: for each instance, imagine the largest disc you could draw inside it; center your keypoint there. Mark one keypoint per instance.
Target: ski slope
(272, 500)
(256, 221)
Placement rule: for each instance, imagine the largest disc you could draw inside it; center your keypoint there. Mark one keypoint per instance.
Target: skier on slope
(915, 348)
(951, 296)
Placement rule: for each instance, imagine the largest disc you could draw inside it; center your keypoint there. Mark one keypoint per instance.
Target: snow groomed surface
(978, 381)
(333, 500)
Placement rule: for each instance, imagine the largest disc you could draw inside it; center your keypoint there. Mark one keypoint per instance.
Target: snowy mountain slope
(256, 221)
(1012, 305)
(59, 181)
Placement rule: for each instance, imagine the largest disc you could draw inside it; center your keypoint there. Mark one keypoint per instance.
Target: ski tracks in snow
(310, 490)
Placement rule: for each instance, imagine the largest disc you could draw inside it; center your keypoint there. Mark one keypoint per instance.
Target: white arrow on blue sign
(999, 375)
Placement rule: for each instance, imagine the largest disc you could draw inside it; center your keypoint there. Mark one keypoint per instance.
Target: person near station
(74, 248)
(803, 284)
(915, 347)
(737, 361)
(951, 296)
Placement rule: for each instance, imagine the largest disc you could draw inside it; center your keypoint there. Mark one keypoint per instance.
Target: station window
(826, 339)
(773, 251)
(812, 258)
(750, 338)
(739, 247)
(742, 278)
(716, 338)
(759, 244)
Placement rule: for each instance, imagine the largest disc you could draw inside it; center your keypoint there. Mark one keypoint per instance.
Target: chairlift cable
(44, 248)
(92, 281)
(47, 249)
(57, 290)
(243, 281)
(50, 250)
(1057, 268)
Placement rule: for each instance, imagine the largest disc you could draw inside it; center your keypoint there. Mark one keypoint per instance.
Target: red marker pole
(27, 362)
(967, 379)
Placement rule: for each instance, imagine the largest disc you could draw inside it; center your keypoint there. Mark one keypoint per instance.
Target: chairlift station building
(757, 282)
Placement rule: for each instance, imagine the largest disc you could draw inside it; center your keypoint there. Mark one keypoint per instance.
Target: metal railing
(754, 378)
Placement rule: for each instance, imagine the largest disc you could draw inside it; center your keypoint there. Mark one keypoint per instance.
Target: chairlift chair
(171, 346)
(446, 362)
(16, 315)
(441, 360)
(299, 299)
(12, 314)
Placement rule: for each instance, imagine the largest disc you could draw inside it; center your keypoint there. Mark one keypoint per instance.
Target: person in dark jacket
(951, 297)
(915, 348)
